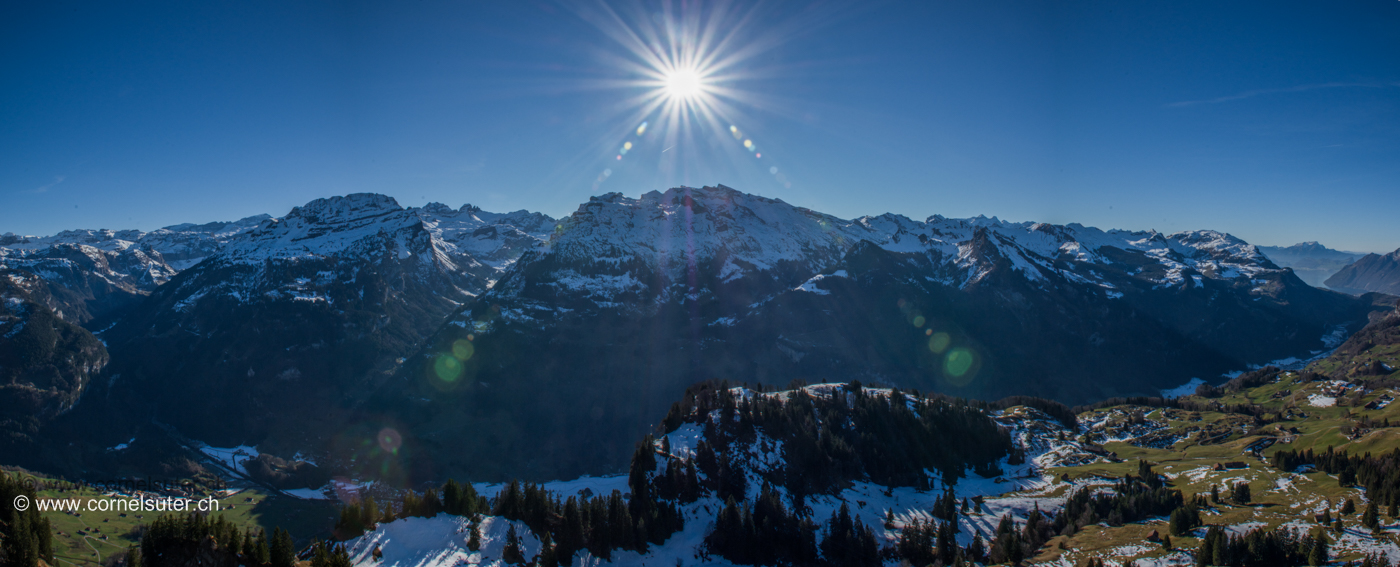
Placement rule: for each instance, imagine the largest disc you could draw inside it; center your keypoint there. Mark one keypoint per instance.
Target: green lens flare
(959, 361)
(939, 342)
(463, 350)
(448, 368)
(919, 321)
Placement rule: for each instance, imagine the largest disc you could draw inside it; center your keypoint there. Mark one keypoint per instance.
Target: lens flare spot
(758, 155)
(463, 350)
(919, 321)
(938, 342)
(773, 170)
(642, 129)
(748, 144)
(447, 368)
(928, 332)
(959, 362)
(389, 440)
(619, 157)
(627, 146)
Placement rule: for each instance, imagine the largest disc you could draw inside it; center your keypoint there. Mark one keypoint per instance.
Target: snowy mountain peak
(353, 207)
(219, 228)
(686, 224)
(438, 208)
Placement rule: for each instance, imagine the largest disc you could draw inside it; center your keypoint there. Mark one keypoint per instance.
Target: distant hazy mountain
(1313, 262)
(1373, 272)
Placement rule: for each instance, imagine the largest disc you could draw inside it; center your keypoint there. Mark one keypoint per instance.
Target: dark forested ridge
(842, 433)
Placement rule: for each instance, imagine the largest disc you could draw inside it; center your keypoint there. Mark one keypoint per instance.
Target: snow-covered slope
(1015, 490)
(95, 273)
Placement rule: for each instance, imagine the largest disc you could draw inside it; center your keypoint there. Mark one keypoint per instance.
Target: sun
(684, 83)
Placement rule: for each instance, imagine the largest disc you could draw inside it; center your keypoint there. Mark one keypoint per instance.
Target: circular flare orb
(938, 342)
(463, 350)
(389, 440)
(447, 368)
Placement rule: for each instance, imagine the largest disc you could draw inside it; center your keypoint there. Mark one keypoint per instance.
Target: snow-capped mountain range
(286, 329)
(603, 248)
(672, 231)
(132, 263)
(753, 235)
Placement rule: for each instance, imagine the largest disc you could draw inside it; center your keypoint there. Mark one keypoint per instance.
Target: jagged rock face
(45, 362)
(1373, 272)
(294, 321)
(587, 338)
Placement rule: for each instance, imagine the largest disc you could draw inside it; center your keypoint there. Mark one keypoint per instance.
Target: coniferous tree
(282, 553)
(547, 557)
(1239, 493)
(261, 553)
(474, 538)
(370, 513)
(1371, 518)
(977, 549)
(249, 545)
(1006, 545)
(234, 541)
(1183, 520)
(25, 537)
(1318, 554)
(512, 553)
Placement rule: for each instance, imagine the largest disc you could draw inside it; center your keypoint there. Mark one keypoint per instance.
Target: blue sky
(1276, 121)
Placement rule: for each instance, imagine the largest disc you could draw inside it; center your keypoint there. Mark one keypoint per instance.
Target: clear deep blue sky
(1276, 121)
